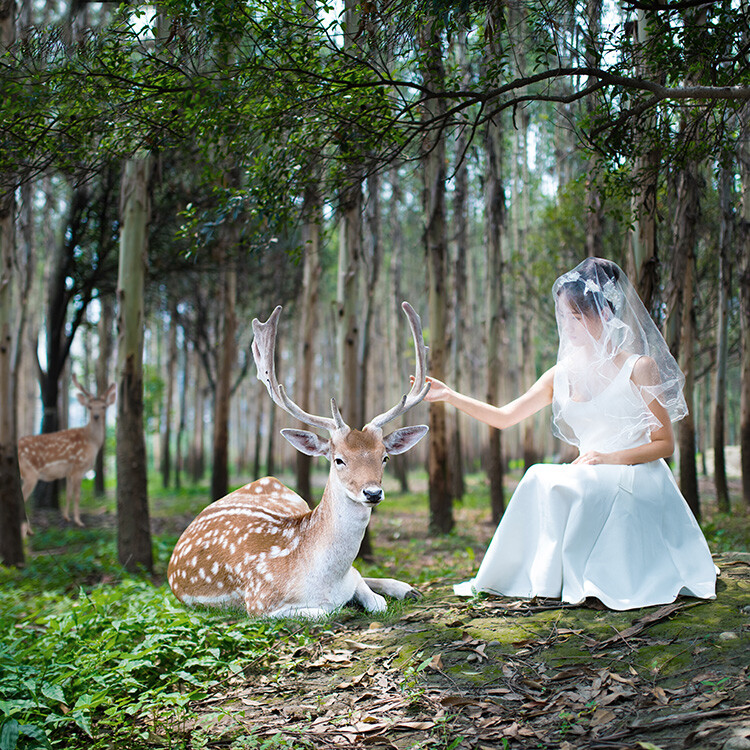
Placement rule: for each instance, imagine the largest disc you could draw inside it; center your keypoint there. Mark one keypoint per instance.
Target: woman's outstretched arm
(536, 398)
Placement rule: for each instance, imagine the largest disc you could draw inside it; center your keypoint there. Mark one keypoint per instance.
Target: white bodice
(613, 419)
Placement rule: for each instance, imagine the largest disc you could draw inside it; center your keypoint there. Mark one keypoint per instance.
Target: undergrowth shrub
(117, 664)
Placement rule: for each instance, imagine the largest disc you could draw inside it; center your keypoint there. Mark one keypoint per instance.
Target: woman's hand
(592, 458)
(439, 391)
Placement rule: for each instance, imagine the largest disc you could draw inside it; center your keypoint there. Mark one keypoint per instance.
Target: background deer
(262, 546)
(66, 453)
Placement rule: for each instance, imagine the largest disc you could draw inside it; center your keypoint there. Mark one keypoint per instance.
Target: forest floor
(494, 672)
(489, 672)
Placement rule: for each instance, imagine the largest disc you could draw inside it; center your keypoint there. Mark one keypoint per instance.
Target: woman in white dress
(612, 524)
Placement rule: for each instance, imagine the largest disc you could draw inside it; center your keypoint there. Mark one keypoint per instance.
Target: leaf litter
(499, 673)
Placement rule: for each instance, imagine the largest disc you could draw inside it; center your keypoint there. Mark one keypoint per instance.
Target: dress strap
(630, 364)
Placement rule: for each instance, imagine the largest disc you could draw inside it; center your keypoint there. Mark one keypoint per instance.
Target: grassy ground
(91, 657)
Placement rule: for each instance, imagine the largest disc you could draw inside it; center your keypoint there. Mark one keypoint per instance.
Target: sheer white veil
(602, 324)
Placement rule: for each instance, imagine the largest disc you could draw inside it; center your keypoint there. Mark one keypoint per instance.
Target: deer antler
(264, 347)
(80, 387)
(420, 387)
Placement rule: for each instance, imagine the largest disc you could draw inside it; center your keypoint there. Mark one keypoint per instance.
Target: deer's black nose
(373, 495)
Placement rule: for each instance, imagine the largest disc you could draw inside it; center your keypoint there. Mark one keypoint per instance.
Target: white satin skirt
(622, 534)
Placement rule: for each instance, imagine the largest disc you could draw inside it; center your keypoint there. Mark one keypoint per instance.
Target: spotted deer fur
(66, 454)
(261, 546)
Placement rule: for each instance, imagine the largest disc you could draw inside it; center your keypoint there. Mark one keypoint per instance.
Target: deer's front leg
(392, 587)
(363, 594)
(74, 488)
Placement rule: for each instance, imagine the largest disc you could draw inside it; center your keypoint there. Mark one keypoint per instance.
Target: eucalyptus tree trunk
(399, 464)
(496, 315)
(643, 266)
(133, 529)
(681, 321)
(494, 225)
(436, 246)
(350, 259)
(743, 270)
(460, 219)
(311, 273)
(166, 441)
(222, 397)
(371, 262)
(720, 385)
(11, 499)
(594, 208)
(104, 330)
(196, 452)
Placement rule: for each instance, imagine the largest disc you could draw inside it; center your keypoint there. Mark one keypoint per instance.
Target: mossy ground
(489, 672)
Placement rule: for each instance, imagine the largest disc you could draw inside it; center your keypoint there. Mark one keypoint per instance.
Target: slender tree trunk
(743, 272)
(197, 446)
(166, 444)
(222, 397)
(681, 322)
(461, 245)
(308, 324)
(371, 261)
(495, 218)
(134, 533)
(720, 385)
(347, 296)
(11, 500)
(441, 507)
(399, 464)
(104, 327)
(182, 424)
(594, 207)
(643, 266)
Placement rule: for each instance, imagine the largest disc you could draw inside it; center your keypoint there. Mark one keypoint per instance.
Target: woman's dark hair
(597, 270)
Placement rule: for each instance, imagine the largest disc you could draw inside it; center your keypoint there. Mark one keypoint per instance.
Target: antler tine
(420, 387)
(80, 387)
(264, 346)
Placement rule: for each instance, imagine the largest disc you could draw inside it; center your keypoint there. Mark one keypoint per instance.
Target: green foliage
(103, 665)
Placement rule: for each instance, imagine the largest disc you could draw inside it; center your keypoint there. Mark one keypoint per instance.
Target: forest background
(169, 172)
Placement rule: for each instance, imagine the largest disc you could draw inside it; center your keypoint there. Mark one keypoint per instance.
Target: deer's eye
(340, 462)
(385, 459)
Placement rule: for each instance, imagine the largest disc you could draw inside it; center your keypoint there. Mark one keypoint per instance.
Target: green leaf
(9, 735)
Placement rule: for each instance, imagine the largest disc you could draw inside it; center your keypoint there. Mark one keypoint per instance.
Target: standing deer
(66, 453)
(262, 546)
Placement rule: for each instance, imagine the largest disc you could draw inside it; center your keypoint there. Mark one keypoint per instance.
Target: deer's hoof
(413, 595)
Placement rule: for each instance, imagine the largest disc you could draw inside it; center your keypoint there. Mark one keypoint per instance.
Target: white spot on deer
(215, 568)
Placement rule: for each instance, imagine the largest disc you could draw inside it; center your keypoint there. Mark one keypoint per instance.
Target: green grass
(94, 657)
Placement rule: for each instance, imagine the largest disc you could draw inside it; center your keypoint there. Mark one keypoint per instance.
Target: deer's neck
(94, 432)
(340, 519)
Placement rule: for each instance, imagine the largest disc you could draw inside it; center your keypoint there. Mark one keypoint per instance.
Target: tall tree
(681, 319)
(104, 331)
(643, 267)
(436, 246)
(494, 212)
(311, 218)
(11, 500)
(133, 528)
(227, 355)
(743, 273)
(722, 316)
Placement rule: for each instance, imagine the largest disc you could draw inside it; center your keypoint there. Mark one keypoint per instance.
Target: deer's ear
(401, 440)
(111, 394)
(82, 399)
(308, 442)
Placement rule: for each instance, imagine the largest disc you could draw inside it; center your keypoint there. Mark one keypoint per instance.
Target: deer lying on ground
(262, 546)
(65, 454)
